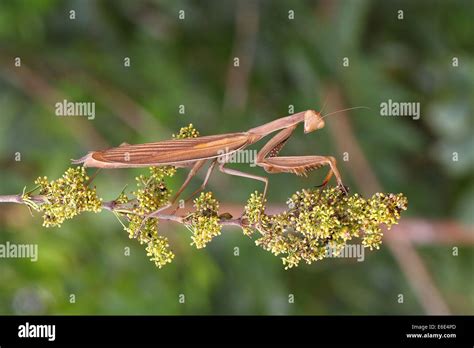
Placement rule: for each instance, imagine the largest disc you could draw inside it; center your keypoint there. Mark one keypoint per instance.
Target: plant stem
(11, 199)
(19, 199)
(113, 206)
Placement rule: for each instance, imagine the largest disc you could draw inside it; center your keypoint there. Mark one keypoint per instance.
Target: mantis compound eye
(312, 121)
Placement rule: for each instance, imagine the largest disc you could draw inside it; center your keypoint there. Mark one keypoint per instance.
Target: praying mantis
(195, 152)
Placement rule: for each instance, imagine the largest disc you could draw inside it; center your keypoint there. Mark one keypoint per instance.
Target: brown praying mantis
(195, 152)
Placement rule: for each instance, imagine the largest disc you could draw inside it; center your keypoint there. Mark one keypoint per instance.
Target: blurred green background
(190, 62)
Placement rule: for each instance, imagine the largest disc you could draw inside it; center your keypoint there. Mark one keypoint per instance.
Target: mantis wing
(178, 152)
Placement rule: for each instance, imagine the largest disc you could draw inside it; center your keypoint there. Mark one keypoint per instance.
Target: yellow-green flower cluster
(319, 219)
(254, 212)
(151, 194)
(159, 251)
(187, 132)
(156, 246)
(204, 222)
(385, 208)
(66, 197)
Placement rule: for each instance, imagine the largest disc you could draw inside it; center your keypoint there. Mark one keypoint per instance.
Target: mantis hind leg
(200, 188)
(245, 175)
(195, 168)
(204, 183)
(191, 174)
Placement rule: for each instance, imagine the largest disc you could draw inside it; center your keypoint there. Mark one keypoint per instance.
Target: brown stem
(113, 206)
(11, 199)
(19, 199)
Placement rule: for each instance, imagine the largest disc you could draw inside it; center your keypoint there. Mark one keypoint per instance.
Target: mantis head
(312, 121)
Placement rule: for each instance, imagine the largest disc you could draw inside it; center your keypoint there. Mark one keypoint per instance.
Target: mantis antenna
(335, 112)
(324, 105)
